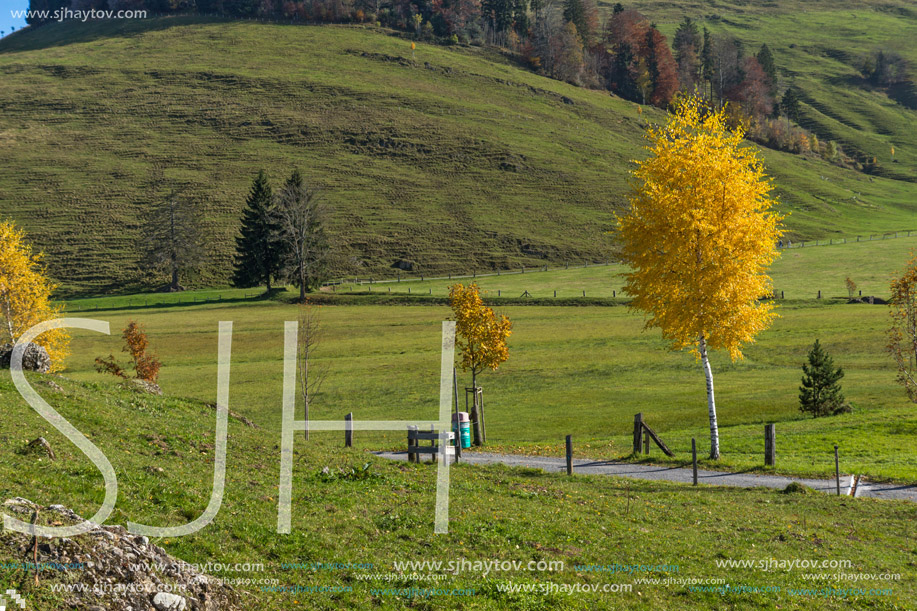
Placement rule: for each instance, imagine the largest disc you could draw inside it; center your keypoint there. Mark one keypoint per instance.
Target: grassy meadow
(376, 512)
(799, 272)
(583, 371)
(585, 375)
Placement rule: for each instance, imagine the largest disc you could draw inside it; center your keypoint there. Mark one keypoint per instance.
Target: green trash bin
(462, 430)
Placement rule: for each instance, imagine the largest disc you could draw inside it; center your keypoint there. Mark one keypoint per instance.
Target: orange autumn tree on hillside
(25, 295)
(480, 335)
(699, 236)
(146, 365)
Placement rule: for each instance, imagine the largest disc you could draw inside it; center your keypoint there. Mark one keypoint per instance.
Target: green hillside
(457, 160)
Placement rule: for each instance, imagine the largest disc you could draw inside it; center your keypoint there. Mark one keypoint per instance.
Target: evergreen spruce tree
(575, 13)
(789, 104)
(688, 47)
(820, 393)
(706, 60)
(766, 59)
(257, 255)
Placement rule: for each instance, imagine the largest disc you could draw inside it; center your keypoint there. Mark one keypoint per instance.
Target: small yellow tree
(851, 287)
(25, 295)
(699, 236)
(902, 335)
(480, 335)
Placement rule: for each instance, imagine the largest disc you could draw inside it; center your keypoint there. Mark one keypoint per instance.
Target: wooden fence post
(348, 430)
(638, 432)
(770, 444)
(458, 424)
(694, 458)
(569, 454)
(837, 471)
(480, 392)
(411, 443)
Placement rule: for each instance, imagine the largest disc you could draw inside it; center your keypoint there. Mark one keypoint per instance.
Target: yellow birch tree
(25, 295)
(480, 335)
(699, 236)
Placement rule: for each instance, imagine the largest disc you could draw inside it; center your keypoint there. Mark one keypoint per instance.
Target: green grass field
(582, 371)
(459, 160)
(161, 449)
(799, 272)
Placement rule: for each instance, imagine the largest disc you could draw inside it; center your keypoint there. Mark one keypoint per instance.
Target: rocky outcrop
(35, 358)
(144, 386)
(116, 570)
(404, 265)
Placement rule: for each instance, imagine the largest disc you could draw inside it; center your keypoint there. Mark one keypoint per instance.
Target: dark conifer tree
(499, 14)
(687, 46)
(766, 59)
(820, 393)
(575, 12)
(789, 104)
(257, 257)
(706, 60)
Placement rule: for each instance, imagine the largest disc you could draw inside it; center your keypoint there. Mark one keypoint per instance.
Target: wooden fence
(415, 437)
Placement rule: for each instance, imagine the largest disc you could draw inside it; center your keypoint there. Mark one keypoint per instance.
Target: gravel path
(906, 492)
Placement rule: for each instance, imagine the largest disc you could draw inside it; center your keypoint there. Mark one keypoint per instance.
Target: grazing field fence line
(151, 301)
(783, 245)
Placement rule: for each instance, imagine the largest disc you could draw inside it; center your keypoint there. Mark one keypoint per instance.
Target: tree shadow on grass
(66, 33)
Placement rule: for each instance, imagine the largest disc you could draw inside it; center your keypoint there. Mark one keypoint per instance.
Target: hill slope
(455, 160)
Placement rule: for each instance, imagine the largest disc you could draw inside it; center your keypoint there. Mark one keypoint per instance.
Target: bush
(146, 366)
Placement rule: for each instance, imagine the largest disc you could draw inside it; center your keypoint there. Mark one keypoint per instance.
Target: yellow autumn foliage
(25, 295)
(480, 334)
(700, 233)
(902, 335)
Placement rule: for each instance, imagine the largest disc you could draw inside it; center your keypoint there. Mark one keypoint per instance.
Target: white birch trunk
(711, 403)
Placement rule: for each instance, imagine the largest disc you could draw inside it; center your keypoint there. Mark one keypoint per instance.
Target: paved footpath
(907, 492)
